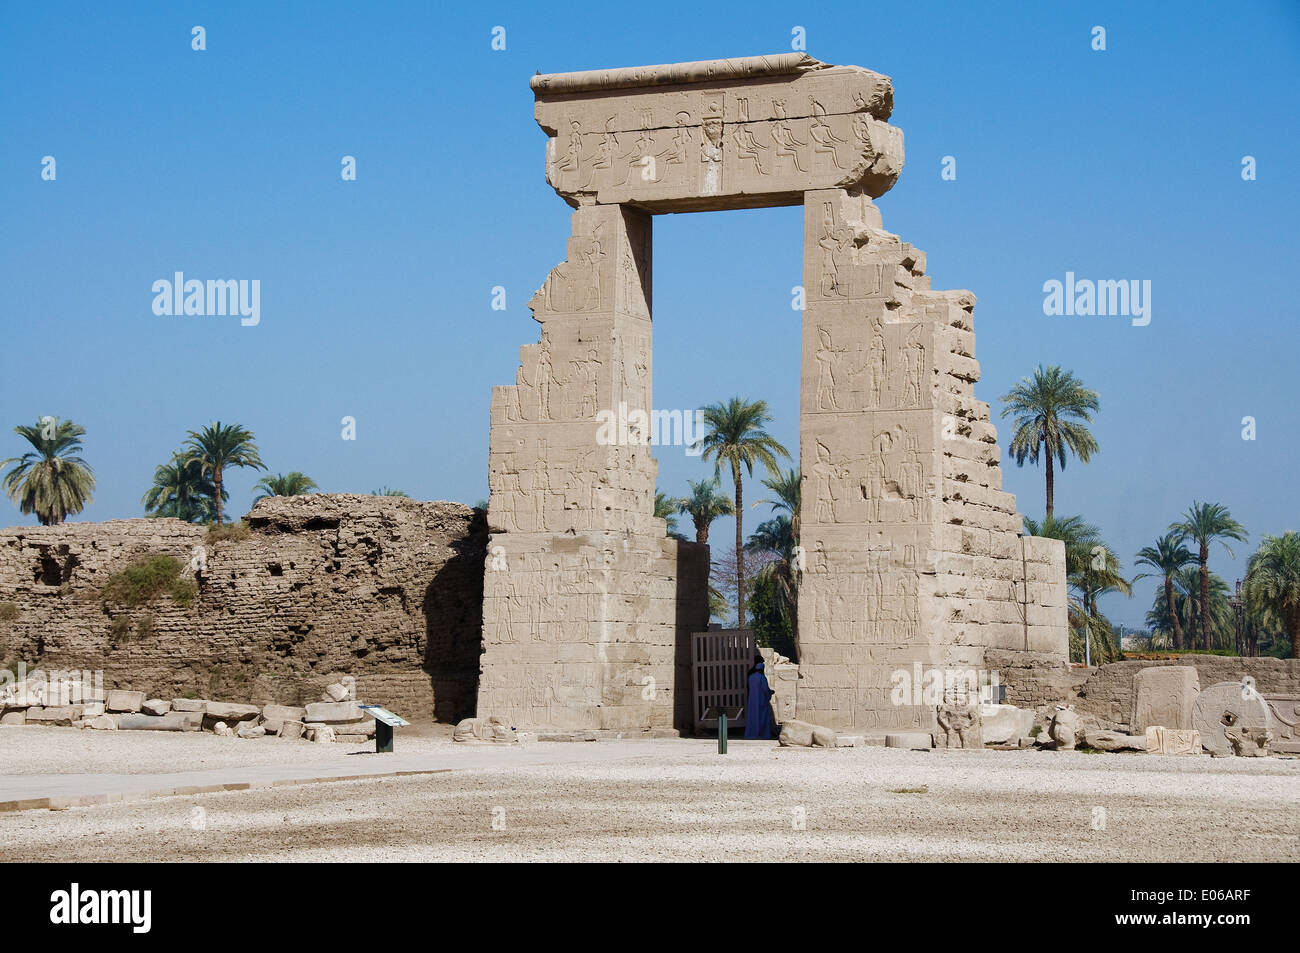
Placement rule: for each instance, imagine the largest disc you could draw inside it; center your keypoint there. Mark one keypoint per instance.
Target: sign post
(722, 713)
(385, 722)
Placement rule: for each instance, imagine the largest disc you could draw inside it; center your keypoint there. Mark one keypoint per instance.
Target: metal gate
(720, 661)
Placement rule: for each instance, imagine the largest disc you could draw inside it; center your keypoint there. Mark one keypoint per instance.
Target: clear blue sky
(375, 293)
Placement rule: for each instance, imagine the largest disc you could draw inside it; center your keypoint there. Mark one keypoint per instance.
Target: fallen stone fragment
(912, 740)
(319, 732)
(290, 729)
(247, 730)
(491, 729)
(230, 711)
(1005, 724)
(333, 713)
(1176, 741)
(14, 718)
(156, 706)
(122, 700)
(1234, 720)
(102, 723)
(1114, 740)
(55, 715)
(222, 730)
(189, 704)
(337, 692)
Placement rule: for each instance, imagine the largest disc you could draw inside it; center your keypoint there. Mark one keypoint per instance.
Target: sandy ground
(37, 749)
(679, 800)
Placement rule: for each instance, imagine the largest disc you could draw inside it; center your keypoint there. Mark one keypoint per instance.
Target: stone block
(249, 730)
(332, 713)
(1285, 712)
(337, 692)
(189, 704)
(1164, 695)
(55, 715)
(290, 730)
(1005, 724)
(102, 723)
(15, 717)
(319, 732)
(1178, 741)
(156, 706)
(1113, 740)
(120, 700)
(274, 715)
(913, 740)
(230, 712)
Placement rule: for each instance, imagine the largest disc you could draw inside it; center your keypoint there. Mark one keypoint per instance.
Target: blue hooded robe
(758, 708)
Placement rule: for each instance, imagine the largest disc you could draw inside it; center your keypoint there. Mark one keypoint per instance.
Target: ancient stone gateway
(913, 558)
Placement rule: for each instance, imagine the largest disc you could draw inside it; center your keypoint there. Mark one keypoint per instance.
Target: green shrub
(144, 626)
(138, 584)
(184, 592)
(120, 628)
(8, 611)
(233, 532)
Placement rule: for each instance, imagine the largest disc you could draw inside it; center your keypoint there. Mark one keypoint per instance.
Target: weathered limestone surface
(385, 588)
(1164, 696)
(913, 551)
(586, 601)
(1285, 712)
(719, 134)
(1233, 720)
(1110, 693)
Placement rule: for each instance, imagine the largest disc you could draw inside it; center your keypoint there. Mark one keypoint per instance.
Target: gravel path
(678, 801)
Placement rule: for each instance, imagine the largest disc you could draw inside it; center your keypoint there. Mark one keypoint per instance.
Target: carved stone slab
(1164, 695)
(718, 134)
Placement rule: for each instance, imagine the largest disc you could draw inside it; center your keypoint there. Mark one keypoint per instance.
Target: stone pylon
(913, 554)
(584, 593)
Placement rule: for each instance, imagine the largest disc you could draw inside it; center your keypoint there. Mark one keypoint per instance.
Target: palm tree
(786, 484)
(1273, 583)
(1204, 523)
(386, 491)
(776, 536)
(181, 491)
(284, 484)
(736, 435)
(666, 510)
(1083, 548)
(1167, 557)
(50, 480)
(1050, 411)
(216, 447)
(705, 504)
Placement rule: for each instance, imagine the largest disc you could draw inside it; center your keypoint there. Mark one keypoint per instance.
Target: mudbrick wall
(386, 589)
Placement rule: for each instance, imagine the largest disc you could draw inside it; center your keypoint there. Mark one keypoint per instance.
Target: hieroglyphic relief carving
(591, 591)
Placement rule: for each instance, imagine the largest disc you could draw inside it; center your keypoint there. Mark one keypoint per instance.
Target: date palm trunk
(1169, 601)
(1205, 595)
(740, 547)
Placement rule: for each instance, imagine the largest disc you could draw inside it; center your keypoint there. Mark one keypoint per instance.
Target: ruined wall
(1109, 692)
(386, 589)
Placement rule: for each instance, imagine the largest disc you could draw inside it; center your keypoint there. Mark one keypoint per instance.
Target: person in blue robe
(758, 704)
